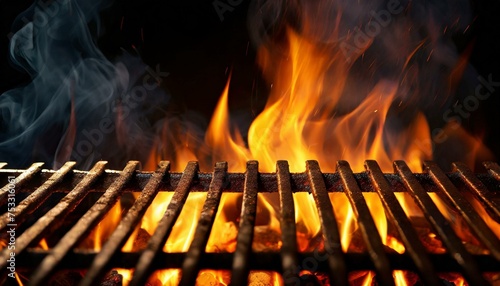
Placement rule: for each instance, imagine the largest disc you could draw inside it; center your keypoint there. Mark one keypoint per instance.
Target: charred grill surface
(46, 199)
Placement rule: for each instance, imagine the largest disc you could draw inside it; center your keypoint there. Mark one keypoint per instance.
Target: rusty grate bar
(336, 261)
(155, 245)
(394, 211)
(109, 185)
(89, 220)
(491, 203)
(191, 264)
(366, 224)
(493, 169)
(20, 180)
(454, 245)
(241, 260)
(289, 259)
(125, 228)
(475, 222)
(36, 198)
(55, 216)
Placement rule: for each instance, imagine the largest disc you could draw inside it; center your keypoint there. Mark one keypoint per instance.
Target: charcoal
(141, 240)
(112, 279)
(266, 240)
(66, 278)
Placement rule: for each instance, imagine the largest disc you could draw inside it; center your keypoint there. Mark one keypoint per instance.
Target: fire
(314, 112)
(302, 120)
(299, 123)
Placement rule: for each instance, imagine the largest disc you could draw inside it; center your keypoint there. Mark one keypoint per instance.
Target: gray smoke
(77, 99)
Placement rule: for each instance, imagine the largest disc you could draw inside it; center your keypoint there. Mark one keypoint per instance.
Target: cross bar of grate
(101, 263)
(442, 226)
(241, 259)
(366, 224)
(155, 245)
(394, 211)
(84, 225)
(54, 217)
(191, 264)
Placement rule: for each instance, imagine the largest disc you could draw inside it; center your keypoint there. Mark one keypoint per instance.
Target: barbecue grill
(69, 203)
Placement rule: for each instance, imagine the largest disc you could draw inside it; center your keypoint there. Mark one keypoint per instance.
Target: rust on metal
(331, 235)
(442, 226)
(125, 228)
(55, 216)
(241, 259)
(84, 225)
(20, 180)
(289, 260)
(487, 199)
(475, 222)
(35, 199)
(191, 265)
(394, 211)
(366, 224)
(37, 187)
(144, 266)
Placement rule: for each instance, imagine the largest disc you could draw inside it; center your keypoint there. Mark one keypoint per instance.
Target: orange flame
(301, 121)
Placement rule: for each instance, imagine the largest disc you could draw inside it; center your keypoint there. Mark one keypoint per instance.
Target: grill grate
(36, 185)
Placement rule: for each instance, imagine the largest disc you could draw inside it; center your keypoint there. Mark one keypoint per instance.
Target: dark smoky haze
(101, 80)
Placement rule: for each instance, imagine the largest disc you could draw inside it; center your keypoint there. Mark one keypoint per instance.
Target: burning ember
(347, 81)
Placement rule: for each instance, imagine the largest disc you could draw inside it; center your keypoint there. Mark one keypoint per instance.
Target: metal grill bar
(366, 224)
(191, 265)
(125, 228)
(336, 260)
(36, 198)
(475, 222)
(332, 261)
(395, 212)
(241, 260)
(454, 245)
(20, 180)
(89, 220)
(289, 259)
(54, 217)
(493, 169)
(491, 203)
(164, 228)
